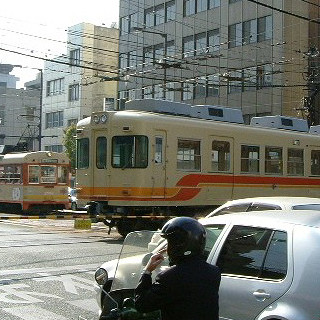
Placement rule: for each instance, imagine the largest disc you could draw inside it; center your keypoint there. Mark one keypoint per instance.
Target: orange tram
(34, 182)
(157, 159)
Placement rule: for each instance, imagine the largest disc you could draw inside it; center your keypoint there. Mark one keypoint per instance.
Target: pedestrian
(188, 289)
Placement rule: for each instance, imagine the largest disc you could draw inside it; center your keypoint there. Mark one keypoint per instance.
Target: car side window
(243, 207)
(263, 206)
(254, 252)
(212, 234)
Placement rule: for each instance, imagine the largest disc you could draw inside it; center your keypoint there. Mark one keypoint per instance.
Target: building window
(200, 88)
(201, 43)
(133, 21)
(54, 148)
(2, 116)
(202, 5)
(250, 162)
(159, 14)
(235, 35)
(273, 160)
(149, 17)
(220, 156)
(264, 28)
(213, 40)
(74, 92)
(170, 11)
(55, 87)
(71, 122)
(108, 104)
(75, 57)
(54, 119)
(188, 156)
(189, 7)
(188, 46)
(264, 76)
(249, 32)
(213, 85)
(214, 4)
(249, 79)
(124, 25)
(187, 93)
(235, 81)
(170, 91)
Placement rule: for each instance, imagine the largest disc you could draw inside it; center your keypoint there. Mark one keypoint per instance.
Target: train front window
(63, 174)
(48, 174)
(34, 174)
(101, 153)
(129, 152)
(83, 153)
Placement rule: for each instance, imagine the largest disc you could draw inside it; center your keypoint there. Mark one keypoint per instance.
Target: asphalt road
(47, 268)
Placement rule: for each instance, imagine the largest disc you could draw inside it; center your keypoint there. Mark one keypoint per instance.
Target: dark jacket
(187, 291)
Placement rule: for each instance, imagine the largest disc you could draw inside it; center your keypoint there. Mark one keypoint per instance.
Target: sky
(35, 28)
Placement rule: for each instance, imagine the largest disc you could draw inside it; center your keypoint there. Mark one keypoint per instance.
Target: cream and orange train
(167, 159)
(34, 182)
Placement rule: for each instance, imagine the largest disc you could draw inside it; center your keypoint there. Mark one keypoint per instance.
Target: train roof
(32, 156)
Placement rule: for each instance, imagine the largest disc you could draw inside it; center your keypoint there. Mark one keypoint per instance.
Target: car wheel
(73, 206)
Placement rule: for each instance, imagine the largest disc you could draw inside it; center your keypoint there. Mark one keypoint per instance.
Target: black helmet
(186, 237)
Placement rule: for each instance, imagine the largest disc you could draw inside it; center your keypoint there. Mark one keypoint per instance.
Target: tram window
(158, 150)
(101, 153)
(82, 153)
(63, 174)
(295, 162)
(220, 156)
(315, 162)
(273, 160)
(48, 174)
(34, 174)
(188, 157)
(129, 152)
(250, 162)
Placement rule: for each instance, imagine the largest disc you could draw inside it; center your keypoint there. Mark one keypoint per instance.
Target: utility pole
(40, 108)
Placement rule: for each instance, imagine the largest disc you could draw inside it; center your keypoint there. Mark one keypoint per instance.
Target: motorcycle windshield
(136, 250)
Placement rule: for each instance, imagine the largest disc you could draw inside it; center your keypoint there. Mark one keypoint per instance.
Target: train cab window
(101, 153)
(158, 150)
(130, 152)
(220, 156)
(10, 174)
(188, 157)
(250, 162)
(62, 174)
(48, 174)
(34, 172)
(295, 162)
(315, 162)
(83, 153)
(273, 160)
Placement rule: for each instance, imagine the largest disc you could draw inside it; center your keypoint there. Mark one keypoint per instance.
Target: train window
(220, 156)
(295, 162)
(63, 174)
(129, 152)
(82, 153)
(315, 162)
(158, 150)
(10, 174)
(34, 174)
(250, 162)
(101, 153)
(48, 174)
(273, 160)
(188, 157)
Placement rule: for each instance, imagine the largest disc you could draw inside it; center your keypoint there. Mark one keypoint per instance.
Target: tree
(69, 141)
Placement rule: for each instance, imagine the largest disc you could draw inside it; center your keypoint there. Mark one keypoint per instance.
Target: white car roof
(298, 217)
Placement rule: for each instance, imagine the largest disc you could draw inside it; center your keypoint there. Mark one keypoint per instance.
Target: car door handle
(261, 295)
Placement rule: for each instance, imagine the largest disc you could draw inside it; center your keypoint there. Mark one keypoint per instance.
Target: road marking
(71, 282)
(86, 304)
(80, 268)
(14, 293)
(33, 312)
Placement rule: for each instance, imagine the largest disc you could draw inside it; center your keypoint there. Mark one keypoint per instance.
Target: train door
(100, 166)
(159, 175)
(221, 151)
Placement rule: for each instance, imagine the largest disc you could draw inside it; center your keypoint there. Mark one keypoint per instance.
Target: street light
(164, 63)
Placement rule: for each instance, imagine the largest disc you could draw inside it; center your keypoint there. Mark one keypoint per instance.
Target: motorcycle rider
(188, 290)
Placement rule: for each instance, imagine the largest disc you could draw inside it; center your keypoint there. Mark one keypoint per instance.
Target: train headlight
(104, 118)
(101, 276)
(96, 119)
